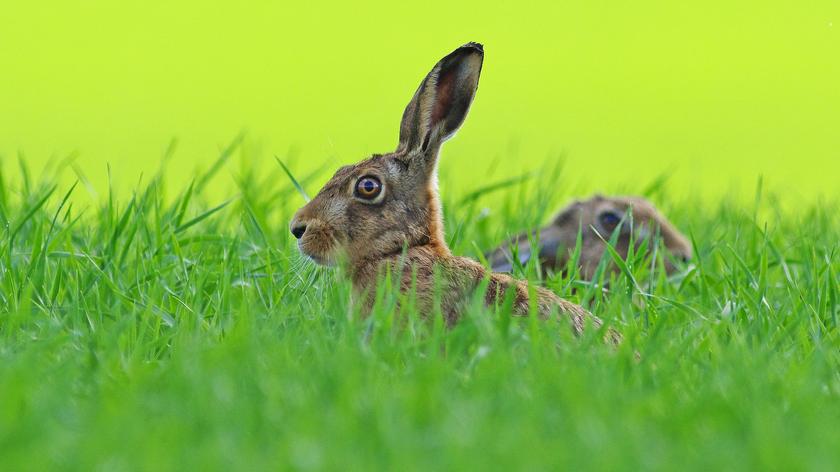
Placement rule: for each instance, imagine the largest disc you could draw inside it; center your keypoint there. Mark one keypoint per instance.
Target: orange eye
(368, 187)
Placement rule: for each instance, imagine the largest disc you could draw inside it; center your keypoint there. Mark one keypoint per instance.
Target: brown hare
(383, 214)
(597, 215)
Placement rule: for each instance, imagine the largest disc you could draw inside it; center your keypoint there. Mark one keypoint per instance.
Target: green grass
(178, 331)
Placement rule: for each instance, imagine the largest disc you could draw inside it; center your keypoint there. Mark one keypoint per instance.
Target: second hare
(384, 214)
(596, 216)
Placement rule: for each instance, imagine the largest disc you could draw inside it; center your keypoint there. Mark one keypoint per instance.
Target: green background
(713, 94)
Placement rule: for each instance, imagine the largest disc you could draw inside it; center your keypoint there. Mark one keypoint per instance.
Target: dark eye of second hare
(368, 187)
(609, 219)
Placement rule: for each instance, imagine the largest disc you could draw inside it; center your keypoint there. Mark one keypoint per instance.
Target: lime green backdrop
(713, 92)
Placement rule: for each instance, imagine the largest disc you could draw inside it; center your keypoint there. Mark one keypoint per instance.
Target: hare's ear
(441, 102)
(569, 215)
(551, 240)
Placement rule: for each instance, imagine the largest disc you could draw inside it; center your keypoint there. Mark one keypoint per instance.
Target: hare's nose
(298, 231)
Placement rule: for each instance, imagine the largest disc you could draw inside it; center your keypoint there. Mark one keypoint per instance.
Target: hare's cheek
(590, 258)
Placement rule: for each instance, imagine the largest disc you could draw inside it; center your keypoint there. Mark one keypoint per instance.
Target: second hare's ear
(442, 101)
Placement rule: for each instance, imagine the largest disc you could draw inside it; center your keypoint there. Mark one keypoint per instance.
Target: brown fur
(557, 240)
(401, 231)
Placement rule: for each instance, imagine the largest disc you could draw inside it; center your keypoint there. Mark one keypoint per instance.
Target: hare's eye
(368, 187)
(609, 219)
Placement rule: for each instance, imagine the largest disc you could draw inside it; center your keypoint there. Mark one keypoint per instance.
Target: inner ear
(443, 101)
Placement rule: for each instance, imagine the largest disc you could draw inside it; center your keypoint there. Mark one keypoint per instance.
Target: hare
(596, 216)
(383, 214)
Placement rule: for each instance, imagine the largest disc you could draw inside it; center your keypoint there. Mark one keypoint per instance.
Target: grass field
(181, 330)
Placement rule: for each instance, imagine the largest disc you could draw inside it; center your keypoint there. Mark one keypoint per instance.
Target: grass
(184, 331)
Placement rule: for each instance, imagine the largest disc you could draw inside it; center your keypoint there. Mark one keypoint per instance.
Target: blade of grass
(201, 217)
(493, 187)
(297, 185)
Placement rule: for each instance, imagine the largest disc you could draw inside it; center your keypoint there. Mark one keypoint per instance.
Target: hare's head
(635, 219)
(375, 208)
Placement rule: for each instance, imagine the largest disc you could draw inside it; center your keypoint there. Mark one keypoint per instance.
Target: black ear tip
(477, 47)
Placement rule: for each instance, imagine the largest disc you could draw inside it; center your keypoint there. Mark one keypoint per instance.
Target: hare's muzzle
(314, 238)
(298, 230)
(298, 225)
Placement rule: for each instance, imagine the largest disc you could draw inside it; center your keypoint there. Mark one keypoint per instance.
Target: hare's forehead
(601, 205)
(640, 208)
(381, 166)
